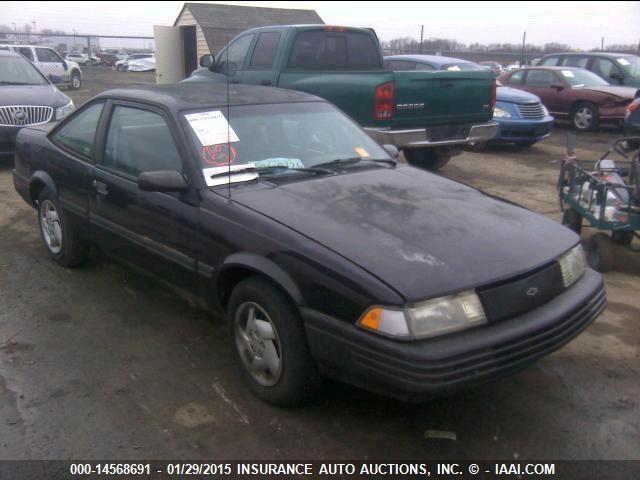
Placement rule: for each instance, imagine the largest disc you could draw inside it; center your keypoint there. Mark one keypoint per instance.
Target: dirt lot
(98, 79)
(98, 362)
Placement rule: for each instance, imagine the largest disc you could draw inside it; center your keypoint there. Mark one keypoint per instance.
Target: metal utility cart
(596, 191)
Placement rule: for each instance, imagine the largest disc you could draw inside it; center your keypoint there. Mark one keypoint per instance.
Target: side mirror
(55, 79)
(557, 86)
(65, 66)
(391, 150)
(162, 181)
(617, 76)
(207, 60)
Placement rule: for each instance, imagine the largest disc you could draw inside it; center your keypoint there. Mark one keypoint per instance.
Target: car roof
(192, 96)
(545, 67)
(432, 59)
(593, 54)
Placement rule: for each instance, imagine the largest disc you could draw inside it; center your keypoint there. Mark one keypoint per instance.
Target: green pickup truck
(429, 115)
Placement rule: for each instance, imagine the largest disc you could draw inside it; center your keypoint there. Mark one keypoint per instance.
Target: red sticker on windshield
(219, 155)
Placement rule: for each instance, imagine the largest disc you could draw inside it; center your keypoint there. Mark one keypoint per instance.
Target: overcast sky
(580, 24)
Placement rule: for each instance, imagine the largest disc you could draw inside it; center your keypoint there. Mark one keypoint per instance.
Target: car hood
(513, 95)
(421, 234)
(47, 95)
(618, 91)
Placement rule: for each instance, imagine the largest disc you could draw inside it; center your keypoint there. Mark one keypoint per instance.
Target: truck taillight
(493, 95)
(383, 107)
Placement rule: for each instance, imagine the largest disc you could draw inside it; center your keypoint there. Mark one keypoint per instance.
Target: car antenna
(228, 119)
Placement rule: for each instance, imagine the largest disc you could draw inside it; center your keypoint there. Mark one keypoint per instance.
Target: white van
(50, 62)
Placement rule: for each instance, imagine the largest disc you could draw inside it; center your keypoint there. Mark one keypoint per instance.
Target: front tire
(584, 117)
(63, 244)
(75, 81)
(269, 344)
(426, 158)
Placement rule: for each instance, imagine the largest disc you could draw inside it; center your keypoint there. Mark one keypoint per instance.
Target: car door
(260, 70)
(154, 231)
(50, 63)
(605, 68)
(231, 61)
(543, 84)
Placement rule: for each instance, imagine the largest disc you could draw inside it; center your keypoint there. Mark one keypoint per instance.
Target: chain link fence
(85, 65)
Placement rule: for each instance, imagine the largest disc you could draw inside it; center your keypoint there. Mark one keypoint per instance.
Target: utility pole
(34, 26)
(602, 45)
(524, 39)
(15, 32)
(421, 37)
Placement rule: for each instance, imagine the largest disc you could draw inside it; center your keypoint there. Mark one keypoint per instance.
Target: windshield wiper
(323, 171)
(15, 83)
(233, 172)
(339, 161)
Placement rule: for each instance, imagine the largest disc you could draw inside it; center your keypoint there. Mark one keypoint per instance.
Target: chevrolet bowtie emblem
(532, 292)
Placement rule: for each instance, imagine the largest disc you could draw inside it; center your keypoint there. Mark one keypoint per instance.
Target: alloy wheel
(51, 227)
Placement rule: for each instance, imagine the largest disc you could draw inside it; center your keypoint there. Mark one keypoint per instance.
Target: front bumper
(421, 137)
(519, 130)
(421, 369)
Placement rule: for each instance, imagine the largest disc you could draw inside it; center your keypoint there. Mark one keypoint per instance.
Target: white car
(142, 65)
(49, 62)
(123, 65)
(82, 59)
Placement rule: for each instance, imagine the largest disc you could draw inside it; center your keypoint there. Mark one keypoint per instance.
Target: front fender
(263, 266)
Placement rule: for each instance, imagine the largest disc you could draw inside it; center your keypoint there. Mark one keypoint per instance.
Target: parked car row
(137, 62)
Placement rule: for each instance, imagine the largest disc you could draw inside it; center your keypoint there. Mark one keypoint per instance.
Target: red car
(574, 93)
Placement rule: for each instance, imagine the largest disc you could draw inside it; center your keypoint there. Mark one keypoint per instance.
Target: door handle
(234, 81)
(100, 188)
(265, 82)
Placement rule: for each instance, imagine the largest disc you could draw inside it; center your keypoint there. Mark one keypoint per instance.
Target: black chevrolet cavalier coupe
(327, 257)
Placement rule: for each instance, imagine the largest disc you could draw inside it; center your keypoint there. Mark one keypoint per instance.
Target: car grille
(22, 115)
(533, 111)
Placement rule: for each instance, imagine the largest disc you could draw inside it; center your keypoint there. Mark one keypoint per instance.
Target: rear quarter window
(549, 62)
(334, 50)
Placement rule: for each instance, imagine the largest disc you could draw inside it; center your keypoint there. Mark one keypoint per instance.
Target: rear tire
(63, 244)
(601, 252)
(426, 158)
(584, 117)
(75, 81)
(572, 220)
(269, 344)
(477, 146)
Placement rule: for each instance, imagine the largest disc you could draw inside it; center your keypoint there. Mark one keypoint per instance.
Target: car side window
(576, 61)
(25, 51)
(78, 133)
(265, 51)
(400, 65)
(516, 78)
(139, 141)
(549, 62)
(47, 55)
(236, 52)
(540, 78)
(604, 68)
(424, 67)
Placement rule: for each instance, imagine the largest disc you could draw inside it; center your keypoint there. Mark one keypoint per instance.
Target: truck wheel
(584, 116)
(75, 82)
(426, 158)
(572, 219)
(601, 252)
(269, 343)
(62, 242)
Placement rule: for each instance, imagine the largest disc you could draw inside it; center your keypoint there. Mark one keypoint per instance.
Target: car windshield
(457, 67)
(631, 65)
(280, 139)
(582, 78)
(18, 71)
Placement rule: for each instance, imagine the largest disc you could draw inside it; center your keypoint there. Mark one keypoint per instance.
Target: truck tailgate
(442, 97)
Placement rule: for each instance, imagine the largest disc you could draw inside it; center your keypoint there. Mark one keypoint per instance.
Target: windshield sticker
(568, 73)
(219, 155)
(362, 152)
(279, 162)
(229, 174)
(623, 61)
(211, 128)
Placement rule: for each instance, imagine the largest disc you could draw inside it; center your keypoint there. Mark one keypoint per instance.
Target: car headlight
(572, 265)
(430, 318)
(500, 113)
(545, 111)
(64, 111)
